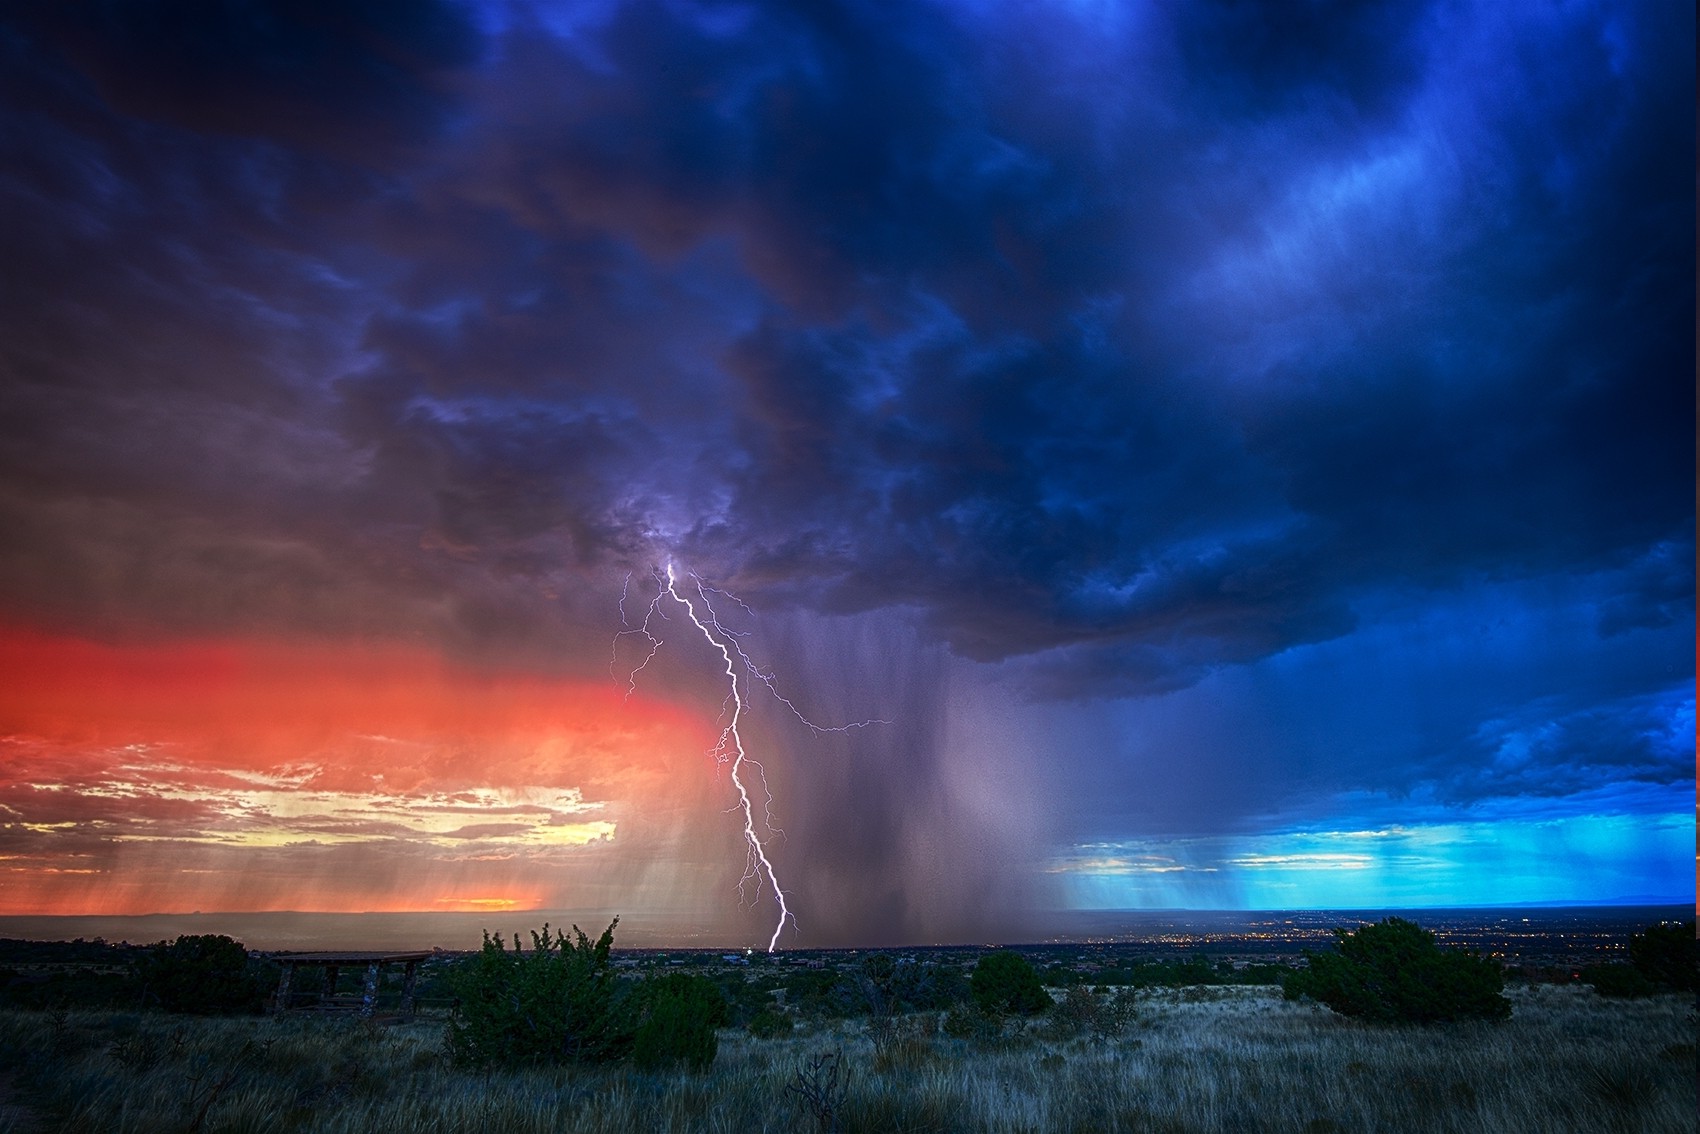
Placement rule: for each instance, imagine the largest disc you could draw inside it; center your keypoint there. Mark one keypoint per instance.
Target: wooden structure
(333, 963)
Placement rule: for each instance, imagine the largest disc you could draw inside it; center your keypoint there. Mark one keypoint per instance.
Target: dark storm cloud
(1639, 740)
(355, 78)
(913, 306)
(1265, 58)
(846, 148)
(1129, 349)
(1487, 397)
(1654, 591)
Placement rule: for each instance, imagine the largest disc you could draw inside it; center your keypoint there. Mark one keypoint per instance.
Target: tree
(1668, 954)
(203, 975)
(1393, 972)
(1007, 982)
(560, 1003)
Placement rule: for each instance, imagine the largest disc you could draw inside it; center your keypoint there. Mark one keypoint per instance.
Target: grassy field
(1193, 1059)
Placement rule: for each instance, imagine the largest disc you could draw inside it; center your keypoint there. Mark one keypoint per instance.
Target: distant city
(1548, 936)
(1568, 935)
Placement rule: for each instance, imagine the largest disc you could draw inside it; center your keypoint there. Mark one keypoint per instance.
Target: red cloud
(138, 778)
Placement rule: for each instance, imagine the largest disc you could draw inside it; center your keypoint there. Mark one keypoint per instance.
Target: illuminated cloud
(302, 753)
(1502, 860)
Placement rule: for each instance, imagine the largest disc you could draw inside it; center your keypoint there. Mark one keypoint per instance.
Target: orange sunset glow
(247, 776)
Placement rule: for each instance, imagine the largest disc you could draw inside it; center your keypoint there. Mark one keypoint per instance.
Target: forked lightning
(729, 749)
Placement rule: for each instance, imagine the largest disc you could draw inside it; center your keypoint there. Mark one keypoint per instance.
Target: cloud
(348, 78)
(1502, 861)
(1433, 706)
(1643, 739)
(1155, 369)
(814, 299)
(1261, 62)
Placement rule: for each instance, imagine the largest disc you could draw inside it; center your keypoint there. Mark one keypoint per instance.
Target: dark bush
(1621, 981)
(559, 1003)
(1007, 982)
(769, 1023)
(1667, 954)
(204, 975)
(71, 988)
(71, 974)
(812, 992)
(874, 983)
(1185, 972)
(1083, 1011)
(677, 1016)
(926, 986)
(969, 1022)
(1393, 972)
(745, 998)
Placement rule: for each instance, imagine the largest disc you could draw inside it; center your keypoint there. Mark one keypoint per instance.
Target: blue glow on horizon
(1602, 859)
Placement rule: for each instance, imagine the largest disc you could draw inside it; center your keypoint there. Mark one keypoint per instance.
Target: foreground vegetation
(1385, 1031)
(1196, 1059)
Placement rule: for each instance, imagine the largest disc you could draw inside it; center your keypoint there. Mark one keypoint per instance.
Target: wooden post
(329, 994)
(281, 1002)
(369, 995)
(410, 978)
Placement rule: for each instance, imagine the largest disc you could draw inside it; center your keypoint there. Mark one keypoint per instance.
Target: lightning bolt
(729, 748)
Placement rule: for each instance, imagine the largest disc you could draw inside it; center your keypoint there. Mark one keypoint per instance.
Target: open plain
(1199, 1059)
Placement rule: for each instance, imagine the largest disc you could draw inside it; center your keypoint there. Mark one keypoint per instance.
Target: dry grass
(1228, 1059)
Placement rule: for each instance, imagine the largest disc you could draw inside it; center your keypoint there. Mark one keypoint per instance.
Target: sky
(1230, 455)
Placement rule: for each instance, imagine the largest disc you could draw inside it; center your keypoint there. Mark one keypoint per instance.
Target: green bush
(1393, 972)
(1667, 954)
(559, 1003)
(1007, 982)
(677, 1015)
(204, 975)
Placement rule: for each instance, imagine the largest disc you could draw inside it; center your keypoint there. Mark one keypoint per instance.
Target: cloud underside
(1154, 344)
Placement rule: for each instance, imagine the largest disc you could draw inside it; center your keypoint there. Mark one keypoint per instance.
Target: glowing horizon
(174, 776)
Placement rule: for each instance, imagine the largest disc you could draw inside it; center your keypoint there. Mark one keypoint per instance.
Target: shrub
(677, 1015)
(768, 1023)
(968, 1022)
(1007, 982)
(1083, 1011)
(819, 1086)
(1668, 954)
(745, 998)
(1623, 981)
(1393, 972)
(203, 975)
(1076, 1013)
(560, 1003)
(879, 985)
(926, 986)
(812, 993)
